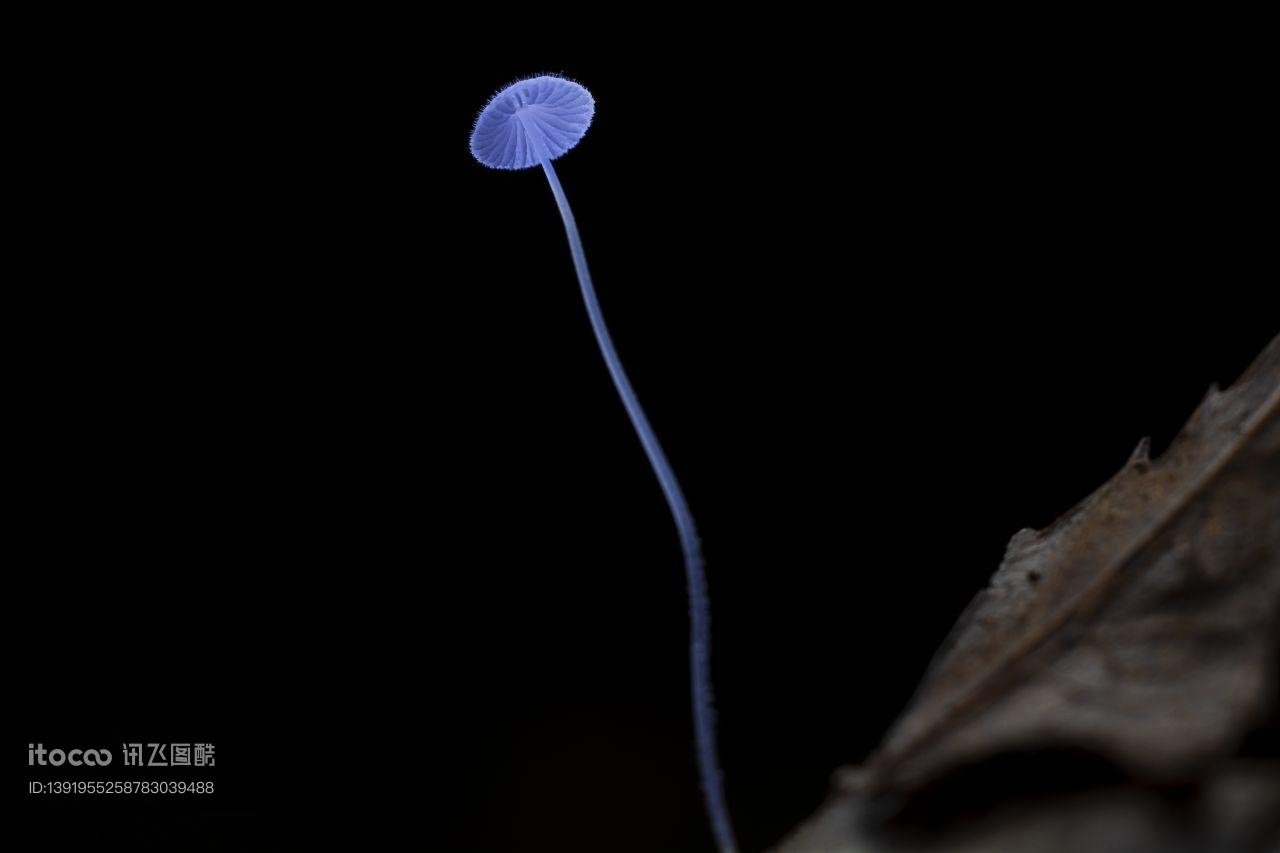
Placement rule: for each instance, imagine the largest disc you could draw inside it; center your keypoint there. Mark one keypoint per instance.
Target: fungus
(527, 124)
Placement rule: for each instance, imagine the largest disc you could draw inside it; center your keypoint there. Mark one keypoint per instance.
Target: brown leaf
(1140, 626)
(1137, 625)
(1236, 809)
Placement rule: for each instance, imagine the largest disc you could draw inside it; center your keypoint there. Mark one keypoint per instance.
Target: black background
(312, 455)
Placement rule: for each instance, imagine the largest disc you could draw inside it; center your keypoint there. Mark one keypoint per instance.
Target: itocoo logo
(36, 754)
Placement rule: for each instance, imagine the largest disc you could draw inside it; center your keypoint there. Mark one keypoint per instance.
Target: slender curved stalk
(704, 723)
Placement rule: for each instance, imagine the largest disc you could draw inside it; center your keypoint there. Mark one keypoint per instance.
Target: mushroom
(527, 124)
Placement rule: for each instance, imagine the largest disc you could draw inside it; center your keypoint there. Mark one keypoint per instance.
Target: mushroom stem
(699, 608)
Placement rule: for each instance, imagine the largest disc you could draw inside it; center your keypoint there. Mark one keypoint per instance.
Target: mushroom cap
(530, 119)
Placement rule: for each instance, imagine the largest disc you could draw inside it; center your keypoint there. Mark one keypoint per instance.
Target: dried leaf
(1237, 809)
(1141, 626)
